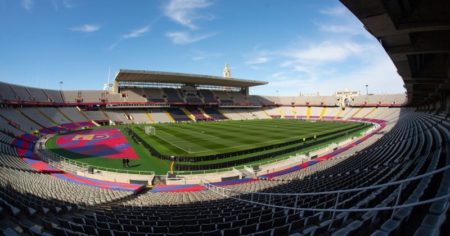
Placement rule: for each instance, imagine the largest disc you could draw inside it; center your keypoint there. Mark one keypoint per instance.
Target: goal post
(150, 130)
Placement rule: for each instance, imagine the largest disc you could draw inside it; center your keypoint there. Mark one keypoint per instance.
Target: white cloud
(184, 37)
(351, 65)
(185, 12)
(380, 74)
(27, 4)
(334, 11)
(323, 52)
(258, 60)
(67, 3)
(86, 28)
(55, 5)
(353, 29)
(136, 33)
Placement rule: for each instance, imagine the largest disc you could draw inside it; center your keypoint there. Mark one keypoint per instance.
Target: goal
(150, 130)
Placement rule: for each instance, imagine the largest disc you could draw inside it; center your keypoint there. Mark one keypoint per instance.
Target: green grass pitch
(207, 138)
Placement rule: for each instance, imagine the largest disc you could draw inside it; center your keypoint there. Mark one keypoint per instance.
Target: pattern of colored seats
(214, 114)
(417, 144)
(178, 115)
(197, 114)
(208, 96)
(172, 95)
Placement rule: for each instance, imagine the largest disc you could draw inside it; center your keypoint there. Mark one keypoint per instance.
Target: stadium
(169, 153)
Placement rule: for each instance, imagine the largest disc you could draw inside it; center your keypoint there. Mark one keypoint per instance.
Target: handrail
(342, 190)
(297, 155)
(87, 166)
(417, 203)
(380, 207)
(273, 161)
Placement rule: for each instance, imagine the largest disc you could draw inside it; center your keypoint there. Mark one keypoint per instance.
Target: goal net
(150, 130)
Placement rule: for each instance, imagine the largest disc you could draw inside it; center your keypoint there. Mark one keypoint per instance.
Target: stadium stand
(160, 116)
(172, 96)
(237, 114)
(14, 116)
(95, 115)
(48, 187)
(315, 112)
(263, 101)
(208, 97)
(260, 114)
(117, 116)
(7, 92)
(154, 95)
(37, 94)
(300, 112)
(224, 97)
(113, 97)
(73, 114)
(216, 115)
(286, 112)
(54, 115)
(407, 147)
(21, 93)
(132, 95)
(139, 116)
(413, 147)
(178, 115)
(191, 96)
(199, 116)
(274, 112)
(72, 96)
(9, 127)
(394, 181)
(54, 96)
(379, 99)
(35, 115)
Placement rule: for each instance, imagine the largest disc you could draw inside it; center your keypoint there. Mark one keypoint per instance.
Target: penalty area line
(172, 143)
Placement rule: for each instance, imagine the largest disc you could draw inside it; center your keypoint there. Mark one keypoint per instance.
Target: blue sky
(297, 46)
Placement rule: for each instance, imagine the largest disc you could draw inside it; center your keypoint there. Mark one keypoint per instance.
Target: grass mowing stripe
(199, 140)
(307, 149)
(217, 137)
(262, 152)
(144, 163)
(161, 144)
(221, 129)
(228, 135)
(260, 138)
(256, 133)
(276, 130)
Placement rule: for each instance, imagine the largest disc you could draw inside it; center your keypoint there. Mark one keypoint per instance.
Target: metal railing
(298, 157)
(59, 161)
(269, 198)
(238, 167)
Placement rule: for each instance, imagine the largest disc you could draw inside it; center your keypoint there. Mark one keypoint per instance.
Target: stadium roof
(416, 35)
(171, 77)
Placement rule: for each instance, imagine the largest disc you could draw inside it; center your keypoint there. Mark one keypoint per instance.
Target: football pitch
(209, 138)
(200, 139)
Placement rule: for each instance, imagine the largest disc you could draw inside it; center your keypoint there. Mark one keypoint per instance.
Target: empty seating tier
(178, 115)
